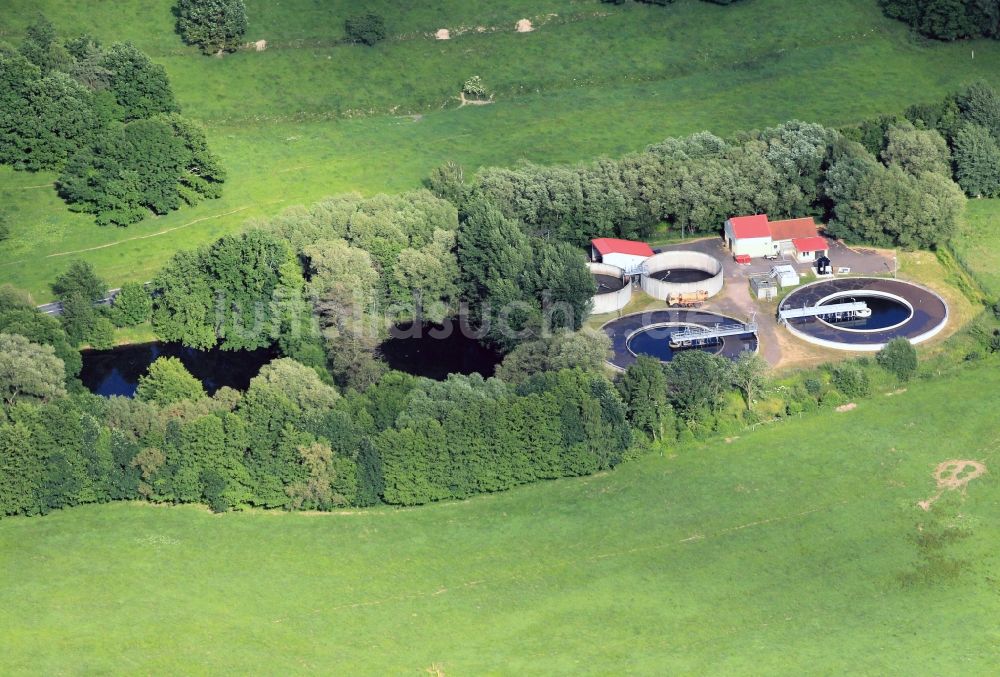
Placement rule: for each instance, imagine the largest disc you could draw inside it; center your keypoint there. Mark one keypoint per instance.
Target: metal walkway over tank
(701, 336)
(839, 311)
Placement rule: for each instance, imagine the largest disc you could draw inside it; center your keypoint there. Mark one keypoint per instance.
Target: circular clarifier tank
(893, 309)
(885, 311)
(612, 288)
(649, 333)
(654, 341)
(679, 272)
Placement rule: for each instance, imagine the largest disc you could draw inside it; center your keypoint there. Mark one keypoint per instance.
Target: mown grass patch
(977, 245)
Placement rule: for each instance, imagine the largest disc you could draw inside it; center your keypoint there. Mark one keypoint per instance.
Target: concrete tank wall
(611, 301)
(661, 289)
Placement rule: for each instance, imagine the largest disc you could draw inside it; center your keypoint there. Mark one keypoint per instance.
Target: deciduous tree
(749, 374)
(133, 305)
(167, 381)
(216, 26)
(977, 161)
(29, 371)
(367, 28)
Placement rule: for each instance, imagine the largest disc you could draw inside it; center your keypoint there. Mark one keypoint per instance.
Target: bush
(899, 357)
(367, 28)
(832, 398)
(851, 380)
(475, 88)
(813, 386)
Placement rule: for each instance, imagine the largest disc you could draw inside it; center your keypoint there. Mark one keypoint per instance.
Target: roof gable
(745, 227)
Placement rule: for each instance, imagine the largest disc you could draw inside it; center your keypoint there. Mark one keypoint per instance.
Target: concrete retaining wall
(661, 289)
(611, 301)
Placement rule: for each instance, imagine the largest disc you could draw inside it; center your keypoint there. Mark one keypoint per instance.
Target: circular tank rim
(682, 258)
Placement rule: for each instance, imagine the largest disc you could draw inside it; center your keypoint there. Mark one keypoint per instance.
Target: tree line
(294, 441)
(900, 194)
(947, 19)
(960, 133)
(106, 119)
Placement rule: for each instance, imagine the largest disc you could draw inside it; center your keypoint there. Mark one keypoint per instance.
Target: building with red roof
(749, 227)
(757, 237)
(626, 254)
(789, 229)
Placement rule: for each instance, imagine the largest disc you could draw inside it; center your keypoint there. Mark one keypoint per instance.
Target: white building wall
(755, 247)
(626, 262)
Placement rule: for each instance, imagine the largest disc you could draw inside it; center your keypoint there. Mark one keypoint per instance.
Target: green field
(286, 121)
(795, 549)
(978, 244)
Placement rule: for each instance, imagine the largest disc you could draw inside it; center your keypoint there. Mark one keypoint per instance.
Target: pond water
(435, 351)
(117, 371)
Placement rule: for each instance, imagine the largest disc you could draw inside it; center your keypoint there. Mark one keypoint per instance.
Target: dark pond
(117, 371)
(681, 275)
(885, 313)
(435, 351)
(655, 342)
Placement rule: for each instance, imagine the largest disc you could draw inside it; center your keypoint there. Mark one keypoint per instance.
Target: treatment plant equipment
(696, 336)
(613, 288)
(682, 275)
(664, 333)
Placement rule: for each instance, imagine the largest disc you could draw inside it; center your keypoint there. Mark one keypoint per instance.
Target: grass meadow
(794, 549)
(311, 117)
(978, 244)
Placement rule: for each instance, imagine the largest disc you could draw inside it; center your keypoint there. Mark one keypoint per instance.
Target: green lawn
(285, 120)
(978, 243)
(790, 550)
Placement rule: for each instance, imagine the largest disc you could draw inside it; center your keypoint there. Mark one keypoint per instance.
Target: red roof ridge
(612, 245)
(752, 226)
(814, 243)
(789, 229)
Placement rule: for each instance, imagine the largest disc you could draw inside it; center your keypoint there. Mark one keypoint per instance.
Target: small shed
(763, 287)
(811, 248)
(786, 276)
(628, 255)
